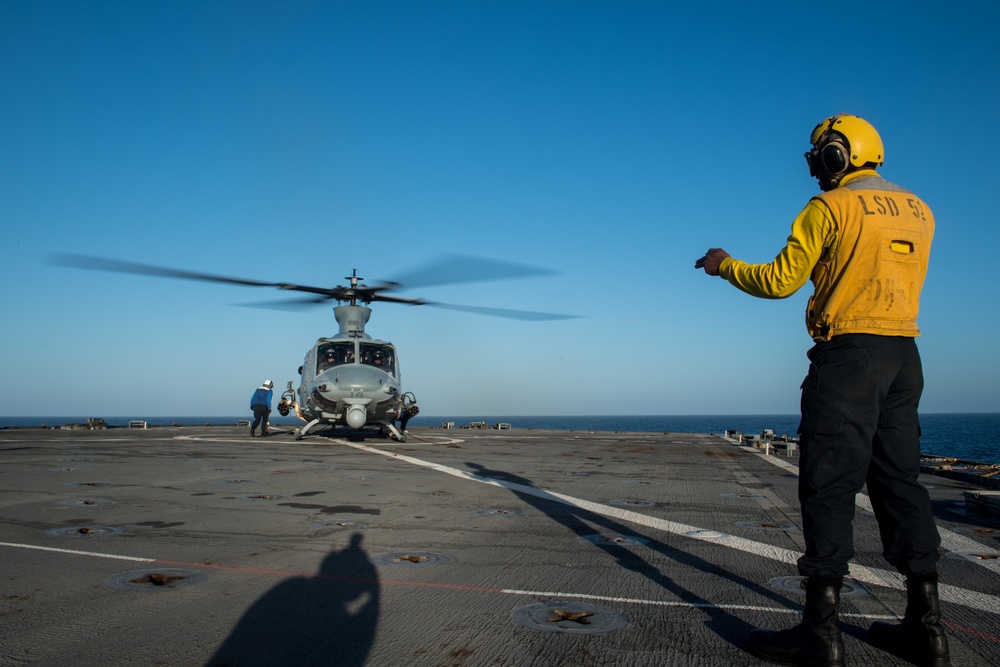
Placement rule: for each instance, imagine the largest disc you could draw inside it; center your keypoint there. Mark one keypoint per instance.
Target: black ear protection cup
(830, 159)
(835, 158)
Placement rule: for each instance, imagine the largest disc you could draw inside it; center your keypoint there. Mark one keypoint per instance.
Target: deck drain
(339, 525)
(706, 534)
(238, 481)
(850, 589)
(85, 531)
(633, 503)
(70, 469)
(743, 495)
(499, 511)
(167, 579)
(89, 484)
(435, 494)
(977, 556)
(411, 559)
(263, 496)
(615, 539)
(575, 618)
(87, 502)
(220, 469)
(766, 525)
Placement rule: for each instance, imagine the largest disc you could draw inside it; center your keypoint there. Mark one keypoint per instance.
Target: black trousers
(260, 413)
(859, 425)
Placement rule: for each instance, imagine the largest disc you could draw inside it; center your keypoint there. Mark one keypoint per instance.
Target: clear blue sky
(613, 142)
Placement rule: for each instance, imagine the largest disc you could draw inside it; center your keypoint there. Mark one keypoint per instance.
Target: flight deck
(203, 546)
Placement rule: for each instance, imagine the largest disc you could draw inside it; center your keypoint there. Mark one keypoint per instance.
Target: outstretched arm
(812, 233)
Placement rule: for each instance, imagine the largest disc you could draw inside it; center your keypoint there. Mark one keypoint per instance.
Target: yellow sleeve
(812, 232)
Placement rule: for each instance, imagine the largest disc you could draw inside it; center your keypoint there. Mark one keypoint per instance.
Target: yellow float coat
(865, 246)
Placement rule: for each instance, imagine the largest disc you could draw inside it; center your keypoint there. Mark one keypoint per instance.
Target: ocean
(971, 437)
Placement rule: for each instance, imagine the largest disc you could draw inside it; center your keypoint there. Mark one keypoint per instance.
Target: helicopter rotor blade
(286, 304)
(118, 266)
(398, 299)
(454, 268)
(528, 315)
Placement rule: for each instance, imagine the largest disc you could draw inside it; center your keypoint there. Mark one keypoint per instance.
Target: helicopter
(350, 379)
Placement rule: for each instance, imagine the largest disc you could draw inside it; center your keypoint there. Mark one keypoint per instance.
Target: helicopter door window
(334, 354)
(379, 356)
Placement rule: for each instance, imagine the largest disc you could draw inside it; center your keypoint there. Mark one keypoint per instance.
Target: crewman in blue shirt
(260, 403)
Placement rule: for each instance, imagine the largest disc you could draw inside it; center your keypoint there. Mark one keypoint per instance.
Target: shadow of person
(328, 618)
(586, 523)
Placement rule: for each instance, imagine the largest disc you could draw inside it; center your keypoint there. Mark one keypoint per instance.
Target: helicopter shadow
(583, 523)
(329, 618)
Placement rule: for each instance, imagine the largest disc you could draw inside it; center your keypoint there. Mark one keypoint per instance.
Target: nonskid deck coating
(458, 547)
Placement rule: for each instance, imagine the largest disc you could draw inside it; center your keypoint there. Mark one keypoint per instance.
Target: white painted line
(411, 441)
(875, 576)
(77, 553)
(685, 605)
(950, 540)
(508, 591)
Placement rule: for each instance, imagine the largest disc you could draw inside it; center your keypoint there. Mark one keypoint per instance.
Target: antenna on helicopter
(354, 283)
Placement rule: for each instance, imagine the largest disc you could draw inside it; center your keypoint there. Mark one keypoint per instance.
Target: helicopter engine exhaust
(357, 416)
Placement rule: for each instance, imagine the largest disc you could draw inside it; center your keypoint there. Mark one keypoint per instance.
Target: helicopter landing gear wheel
(298, 434)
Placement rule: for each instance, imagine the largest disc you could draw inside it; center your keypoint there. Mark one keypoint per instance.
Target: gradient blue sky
(613, 142)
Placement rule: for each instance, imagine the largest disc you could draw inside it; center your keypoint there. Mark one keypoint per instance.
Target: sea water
(972, 437)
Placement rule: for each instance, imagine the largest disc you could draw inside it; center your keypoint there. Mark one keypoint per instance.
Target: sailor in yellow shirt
(864, 243)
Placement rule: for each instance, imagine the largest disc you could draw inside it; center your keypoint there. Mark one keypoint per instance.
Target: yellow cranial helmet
(839, 143)
(862, 139)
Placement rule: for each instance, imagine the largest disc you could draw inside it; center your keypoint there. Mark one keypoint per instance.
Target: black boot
(253, 431)
(920, 638)
(816, 641)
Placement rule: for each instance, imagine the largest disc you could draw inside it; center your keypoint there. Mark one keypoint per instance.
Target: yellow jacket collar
(856, 175)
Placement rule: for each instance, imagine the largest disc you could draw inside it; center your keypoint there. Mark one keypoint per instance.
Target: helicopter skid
(395, 433)
(300, 432)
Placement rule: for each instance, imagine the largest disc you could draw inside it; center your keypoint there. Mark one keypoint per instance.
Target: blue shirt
(262, 396)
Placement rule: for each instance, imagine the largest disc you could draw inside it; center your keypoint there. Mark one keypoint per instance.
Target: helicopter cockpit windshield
(334, 354)
(380, 356)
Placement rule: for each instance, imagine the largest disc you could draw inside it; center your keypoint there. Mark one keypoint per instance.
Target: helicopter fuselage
(350, 382)
(350, 379)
